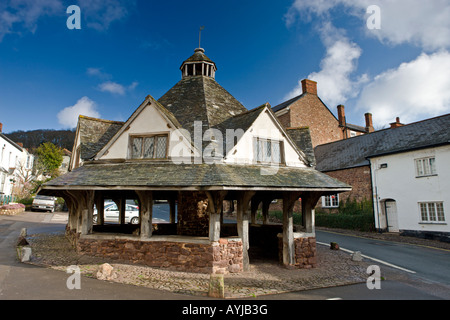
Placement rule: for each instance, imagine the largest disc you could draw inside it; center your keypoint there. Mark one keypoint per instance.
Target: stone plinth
(172, 252)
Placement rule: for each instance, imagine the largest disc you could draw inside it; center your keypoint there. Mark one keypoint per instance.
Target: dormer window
(268, 151)
(149, 146)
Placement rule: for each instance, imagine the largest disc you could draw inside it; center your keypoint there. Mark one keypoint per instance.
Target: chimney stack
(1, 127)
(396, 124)
(309, 86)
(341, 115)
(369, 123)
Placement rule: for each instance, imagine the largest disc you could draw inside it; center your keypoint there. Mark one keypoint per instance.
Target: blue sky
(126, 50)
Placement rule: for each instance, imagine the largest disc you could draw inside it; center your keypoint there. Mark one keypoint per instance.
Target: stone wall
(193, 217)
(224, 256)
(360, 180)
(305, 252)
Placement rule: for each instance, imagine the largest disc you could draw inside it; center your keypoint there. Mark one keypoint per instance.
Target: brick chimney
(396, 124)
(309, 86)
(1, 127)
(341, 114)
(369, 123)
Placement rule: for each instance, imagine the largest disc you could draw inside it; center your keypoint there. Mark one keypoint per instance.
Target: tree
(48, 159)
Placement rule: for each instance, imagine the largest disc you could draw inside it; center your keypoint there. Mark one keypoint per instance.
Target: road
(428, 263)
(27, 282)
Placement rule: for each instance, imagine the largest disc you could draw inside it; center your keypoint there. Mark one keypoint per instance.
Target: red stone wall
(310, 112)
(358, 178)
(193, 218)
(224, 256)
(304, 250)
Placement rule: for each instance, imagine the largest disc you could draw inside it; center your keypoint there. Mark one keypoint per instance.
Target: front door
(391, 215)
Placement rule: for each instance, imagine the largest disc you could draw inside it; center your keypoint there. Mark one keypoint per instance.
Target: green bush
(351, 215)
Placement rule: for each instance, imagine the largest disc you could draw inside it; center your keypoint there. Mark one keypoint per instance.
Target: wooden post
(242, 224)
(309, 201)
(265, 210)
(288, 228)
(87, 208)
(100, 205)
(215, 204)
(253, 209)
(146, 213)
(122, 203)
(172, 210)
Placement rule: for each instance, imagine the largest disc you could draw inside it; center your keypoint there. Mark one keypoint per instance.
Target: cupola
(198, 65)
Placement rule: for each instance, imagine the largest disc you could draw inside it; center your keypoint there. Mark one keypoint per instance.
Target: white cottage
(411, 179)
(16, 163)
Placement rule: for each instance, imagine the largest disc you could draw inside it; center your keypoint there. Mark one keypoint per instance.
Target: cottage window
(268, 151)
(330, 201)
(432, 211)
(149, 147)
(425, 167)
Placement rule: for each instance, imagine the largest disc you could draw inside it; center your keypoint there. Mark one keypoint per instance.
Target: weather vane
(200, 36)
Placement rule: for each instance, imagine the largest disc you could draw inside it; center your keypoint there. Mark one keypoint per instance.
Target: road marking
(371, 258)
(337, 298)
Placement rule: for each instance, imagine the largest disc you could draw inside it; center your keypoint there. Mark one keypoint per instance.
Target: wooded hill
(33, 139)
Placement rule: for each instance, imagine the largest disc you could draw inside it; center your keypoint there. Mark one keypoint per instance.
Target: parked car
(111, 213)
(43, 203)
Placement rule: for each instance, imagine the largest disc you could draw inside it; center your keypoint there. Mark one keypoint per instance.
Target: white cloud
(68, 117)
(422, 23)
(336, 80)
(415, 90)
(112, 87)
(100, 14)
(97, 72)
(116, 88)
(19, 15)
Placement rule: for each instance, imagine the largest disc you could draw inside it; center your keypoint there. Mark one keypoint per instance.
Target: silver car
(44, 203)
(111, 213)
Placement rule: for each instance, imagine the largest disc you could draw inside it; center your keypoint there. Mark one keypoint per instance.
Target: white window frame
(330, 201)
(431, 212)
(425, 167)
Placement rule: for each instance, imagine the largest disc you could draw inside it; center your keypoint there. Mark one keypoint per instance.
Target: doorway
(390, 208)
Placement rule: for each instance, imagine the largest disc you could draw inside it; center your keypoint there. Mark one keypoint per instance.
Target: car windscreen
(44, 198)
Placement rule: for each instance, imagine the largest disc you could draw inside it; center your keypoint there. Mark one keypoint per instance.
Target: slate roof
(302, 138)
(94, 134)
(200, 98)
(354, 152)
(198, 56)
(154, 175)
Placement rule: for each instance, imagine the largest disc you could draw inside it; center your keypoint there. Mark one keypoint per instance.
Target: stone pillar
(242, 224)
(145, 212)
(193, 217)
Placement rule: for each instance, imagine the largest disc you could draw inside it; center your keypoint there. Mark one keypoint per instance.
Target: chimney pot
(397, 123)
(369, 123)
(309, 86)
(341, 114)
